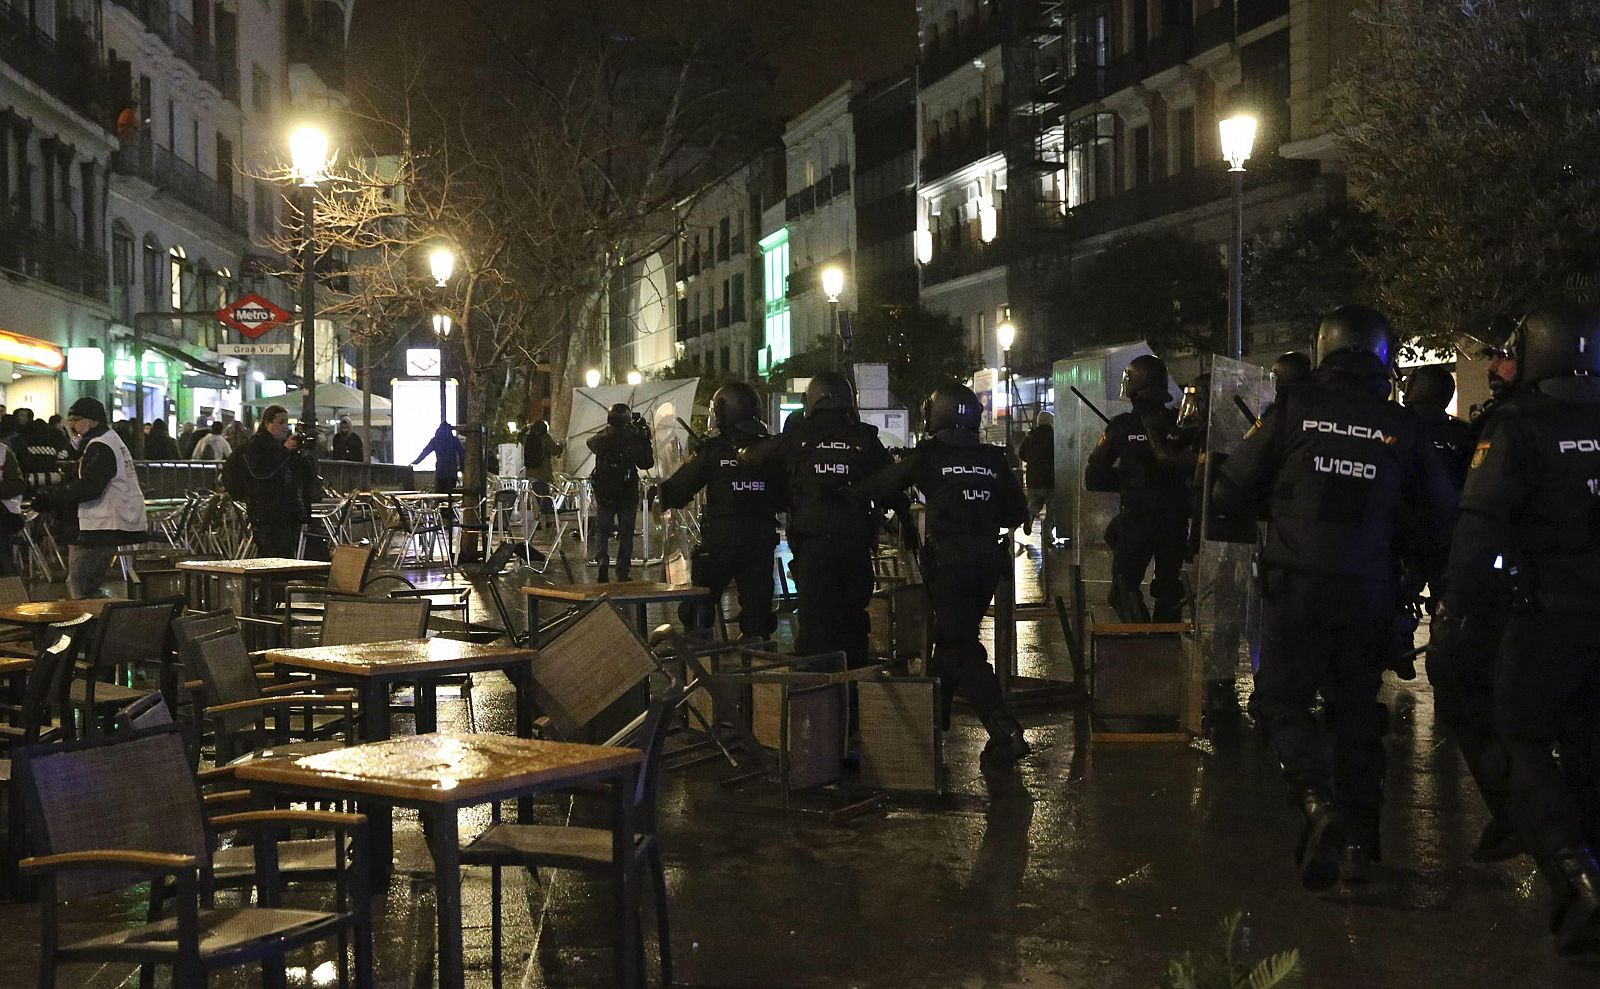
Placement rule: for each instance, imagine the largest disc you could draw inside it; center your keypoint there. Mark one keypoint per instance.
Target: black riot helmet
(619, 415)
(1145, 377)
(734, 404)
(1291, 367)
(830, 390)
(1430, 386)
(953, 406)
(1557, 341)
(1356, 329)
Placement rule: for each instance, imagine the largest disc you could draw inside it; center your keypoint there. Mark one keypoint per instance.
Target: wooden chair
(237, 705)
(588, 849)
(128, 635)
(111, 812)
(347, 575)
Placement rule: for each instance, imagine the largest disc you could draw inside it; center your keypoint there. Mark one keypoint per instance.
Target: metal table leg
(445, 847)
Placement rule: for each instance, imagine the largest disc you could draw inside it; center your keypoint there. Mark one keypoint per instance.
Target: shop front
(29, 369)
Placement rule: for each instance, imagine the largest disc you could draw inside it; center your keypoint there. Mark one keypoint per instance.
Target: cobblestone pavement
(1091, 866)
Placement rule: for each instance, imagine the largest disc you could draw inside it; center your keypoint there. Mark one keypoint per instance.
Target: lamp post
(833, 287)
(1238, 134)
(1005, 335)
(308, 157)
(441, 329)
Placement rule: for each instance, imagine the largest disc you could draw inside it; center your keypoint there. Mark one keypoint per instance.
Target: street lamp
(635, 378)
(1005, 335)
(591, 378)
(833, 287)
(441, 329)
(442, 263)
(1238, 134)
(308, 159)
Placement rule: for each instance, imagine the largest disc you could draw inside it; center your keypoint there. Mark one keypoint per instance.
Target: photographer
(620, 449)
(276, 483)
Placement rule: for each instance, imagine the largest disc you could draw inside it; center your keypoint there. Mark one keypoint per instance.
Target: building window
(260, 89)
(266, 215)
(1141, 156)
(122, 272)
(1090, 158)
(178, 267)
(1185, 143)
(738, 298)
(152, 274)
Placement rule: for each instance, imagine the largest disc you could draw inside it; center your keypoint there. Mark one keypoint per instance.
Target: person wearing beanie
(106, 494)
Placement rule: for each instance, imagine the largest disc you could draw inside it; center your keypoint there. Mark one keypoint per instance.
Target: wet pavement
(1092, 865)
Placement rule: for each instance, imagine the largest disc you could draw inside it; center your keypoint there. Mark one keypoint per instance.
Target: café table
(40, 615)
(438, 774)
(639, 593)
(374, 667)
(245, 577)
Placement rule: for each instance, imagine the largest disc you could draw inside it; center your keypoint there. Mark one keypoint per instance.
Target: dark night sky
(815, 44)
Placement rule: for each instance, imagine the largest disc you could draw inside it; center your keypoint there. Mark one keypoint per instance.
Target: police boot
(1322, 841)
(1006, 741)
(1576, 922)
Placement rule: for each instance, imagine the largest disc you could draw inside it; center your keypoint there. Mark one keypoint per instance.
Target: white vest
(120, 507)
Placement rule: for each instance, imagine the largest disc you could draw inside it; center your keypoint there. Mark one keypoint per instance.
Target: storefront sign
(86, 364)
(253, 349)
(19, 349)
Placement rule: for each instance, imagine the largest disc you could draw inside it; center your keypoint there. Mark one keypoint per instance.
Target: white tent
(332, 398)
(661, 403)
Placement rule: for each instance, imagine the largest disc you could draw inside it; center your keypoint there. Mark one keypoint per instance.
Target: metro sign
(252, 315)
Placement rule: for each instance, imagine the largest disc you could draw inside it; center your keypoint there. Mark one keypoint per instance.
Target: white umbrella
(660, 402)
(331, 397)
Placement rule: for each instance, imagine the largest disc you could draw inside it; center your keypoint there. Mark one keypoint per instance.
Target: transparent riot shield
(1227, 600)
(1087, 515)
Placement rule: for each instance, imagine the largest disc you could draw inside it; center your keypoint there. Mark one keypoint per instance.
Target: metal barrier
(175, 479)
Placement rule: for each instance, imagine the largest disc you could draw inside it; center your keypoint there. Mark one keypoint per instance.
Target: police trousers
(749, 570)
(960, 590)
(1328, 635)
(1141, 539)
(613, 517)
(1463, 699)
(1547, 699)
(833, 587)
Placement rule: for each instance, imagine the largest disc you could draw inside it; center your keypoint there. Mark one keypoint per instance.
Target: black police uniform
(1531, 509)
(972, 495)
(1338, 468)
(832, 528)
(738, 526)
(1154, 518)
(1451, 439)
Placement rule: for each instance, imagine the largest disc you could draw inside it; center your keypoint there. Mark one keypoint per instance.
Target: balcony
(1176, 193)
(1254, 13)
(317, 39)
(737, 246)
(144, 159)
(946, 156)
(722, 319)
(66, 66)
(800, 203)
(974, 37)
(1214, 27)
(1171, 47)
(52, 257)
(964, 258)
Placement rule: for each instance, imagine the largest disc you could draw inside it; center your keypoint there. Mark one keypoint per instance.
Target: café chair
(237, 706)
(121, 809)
(585, 849)
(127, 635)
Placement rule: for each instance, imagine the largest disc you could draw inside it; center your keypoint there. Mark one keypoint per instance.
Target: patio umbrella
(332, 397)
(660, 402)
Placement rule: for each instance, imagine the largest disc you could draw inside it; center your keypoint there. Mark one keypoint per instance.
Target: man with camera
(620, 450)
(276, 481)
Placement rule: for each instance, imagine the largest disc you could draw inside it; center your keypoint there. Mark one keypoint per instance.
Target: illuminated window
(178, 264)
(1090, 158)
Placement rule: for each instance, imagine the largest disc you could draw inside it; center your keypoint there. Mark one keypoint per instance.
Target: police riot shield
(1227, 599)
(1080, 421)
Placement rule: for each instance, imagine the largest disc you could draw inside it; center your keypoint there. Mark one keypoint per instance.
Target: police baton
(1249, 416)
(1085, 400)
(689, 429)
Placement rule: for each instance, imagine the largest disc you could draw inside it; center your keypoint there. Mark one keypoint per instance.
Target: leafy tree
(1470, 130)
(923, 349)
(1315, 264)
(1167, 289)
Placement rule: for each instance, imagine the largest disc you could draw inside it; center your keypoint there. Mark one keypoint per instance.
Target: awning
(203, 369)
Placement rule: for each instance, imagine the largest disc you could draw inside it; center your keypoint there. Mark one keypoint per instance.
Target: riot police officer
(832, 528)
(972, 496)
(1531, 508)
(738, 524)
(1153, 521)
(1344, 475)
(1290, 369)
(1428, 392)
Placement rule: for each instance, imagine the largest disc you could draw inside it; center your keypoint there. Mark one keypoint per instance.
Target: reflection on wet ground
(1090, 866)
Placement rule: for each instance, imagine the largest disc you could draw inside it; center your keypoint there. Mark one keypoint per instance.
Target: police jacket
(1532, 504)
(825, 460)
(742, 502)
(1451, 439)
(1347, 478)
(969, 488)
(1124, 461)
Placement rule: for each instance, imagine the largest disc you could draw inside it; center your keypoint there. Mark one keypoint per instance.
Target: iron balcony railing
(53, 257)
(66, 65)
(144, 159)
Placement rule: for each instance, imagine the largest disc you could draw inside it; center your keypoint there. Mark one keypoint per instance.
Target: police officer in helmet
(1531, 508)
(1344, 477)
(973, 499)
(1153, 522)
(1428, 391)
(832, 528)
(1290, 369)
(738, 523)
